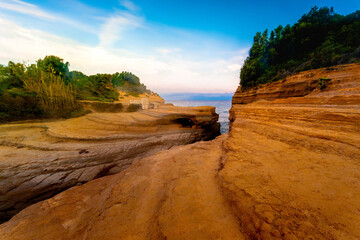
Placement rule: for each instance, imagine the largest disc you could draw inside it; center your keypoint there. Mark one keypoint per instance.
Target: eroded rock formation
(288, 169)
(39, 160)
(341, 81)
(172, 194)
(292, 166)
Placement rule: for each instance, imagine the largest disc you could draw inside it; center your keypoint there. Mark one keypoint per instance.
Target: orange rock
(38, 160)
(288, 169)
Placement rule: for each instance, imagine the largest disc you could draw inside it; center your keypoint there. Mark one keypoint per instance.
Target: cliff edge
(288, 169)
(292, 160)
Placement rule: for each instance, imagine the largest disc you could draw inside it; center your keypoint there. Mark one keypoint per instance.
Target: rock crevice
(39, 160)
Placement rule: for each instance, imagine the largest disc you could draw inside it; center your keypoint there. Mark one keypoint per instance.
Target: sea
(222, 108)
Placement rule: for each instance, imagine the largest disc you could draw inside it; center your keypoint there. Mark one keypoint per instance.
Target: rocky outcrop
(39, 160)
(125, 103)
(288, 169)
(338, 80)
(95, 106)
(145, 100)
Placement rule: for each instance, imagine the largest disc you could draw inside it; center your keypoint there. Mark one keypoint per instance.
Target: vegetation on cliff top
(320, 38)
(48, 89)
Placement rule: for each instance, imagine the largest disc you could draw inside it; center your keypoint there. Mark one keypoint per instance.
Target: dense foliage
(49, 89)
(320, 38)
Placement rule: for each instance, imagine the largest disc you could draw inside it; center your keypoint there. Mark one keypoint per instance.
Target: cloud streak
(25, 8)
(168, 50)
(129, 5)
(115, 26)
(32, 10)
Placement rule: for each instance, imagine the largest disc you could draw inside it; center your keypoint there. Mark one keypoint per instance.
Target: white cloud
(25, 8)
(115, 26)
(129, 5)
(234, 67)
(34, 11)
(167, 50)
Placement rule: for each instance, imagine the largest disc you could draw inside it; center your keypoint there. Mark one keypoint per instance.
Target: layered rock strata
(291, 166)
(173, 194)
(39, 160)
(339, 80)
(288, 169)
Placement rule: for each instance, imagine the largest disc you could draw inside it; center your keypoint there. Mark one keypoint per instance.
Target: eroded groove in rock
(39, 160)
(172, 194)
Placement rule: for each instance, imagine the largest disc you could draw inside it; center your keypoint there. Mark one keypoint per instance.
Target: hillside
(320, 38)
(288, 169)
(48, 89)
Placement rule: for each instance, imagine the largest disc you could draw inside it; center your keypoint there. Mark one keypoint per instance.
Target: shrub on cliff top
(322, 83)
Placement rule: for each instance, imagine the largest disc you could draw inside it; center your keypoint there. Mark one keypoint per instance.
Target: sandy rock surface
(172, 194)
(38, 160)
(288, 169)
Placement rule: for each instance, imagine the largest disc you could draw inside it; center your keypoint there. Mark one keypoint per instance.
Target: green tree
(55, 65)
(320, 38)
(102, 87)
(16, 72)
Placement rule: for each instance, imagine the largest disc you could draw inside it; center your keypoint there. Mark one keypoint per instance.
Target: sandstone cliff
(288, 169)
(292, 161)
(341, 82)
(38, 160)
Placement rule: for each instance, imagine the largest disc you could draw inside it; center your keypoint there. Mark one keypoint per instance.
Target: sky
(173, 46)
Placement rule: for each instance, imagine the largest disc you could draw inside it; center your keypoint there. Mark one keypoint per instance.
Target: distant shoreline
(197, 96)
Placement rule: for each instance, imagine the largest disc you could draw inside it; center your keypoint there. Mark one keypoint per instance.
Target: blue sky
(173, 46)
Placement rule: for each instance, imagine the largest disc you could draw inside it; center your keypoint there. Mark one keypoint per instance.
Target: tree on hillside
(102, 86)
(55, 65)
(320, 38)
(15, 72)
(120, 78)
(48, 89)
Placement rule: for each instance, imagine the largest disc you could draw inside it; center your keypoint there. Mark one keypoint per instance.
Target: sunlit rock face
(340, 81)
(291, 169)
(39, 160)
(288, 169)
